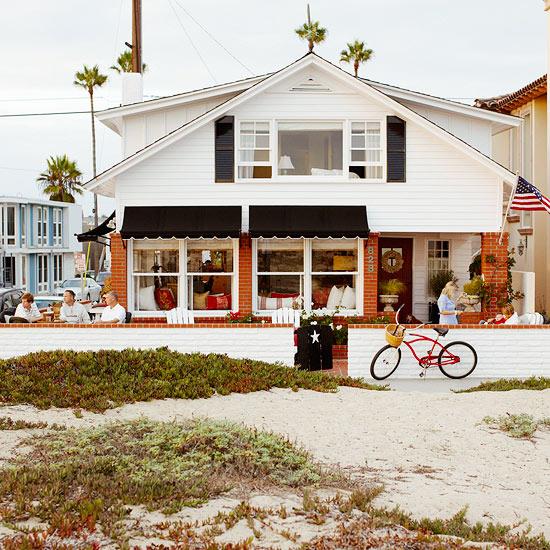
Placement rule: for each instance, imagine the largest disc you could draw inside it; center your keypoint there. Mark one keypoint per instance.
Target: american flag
(528, 197)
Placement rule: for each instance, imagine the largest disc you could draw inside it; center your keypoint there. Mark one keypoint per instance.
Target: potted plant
(472, 293)
(389, 293)
(439, 280)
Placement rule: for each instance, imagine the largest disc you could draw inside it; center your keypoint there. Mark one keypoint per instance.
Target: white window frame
(8, 239)
(383, 147)
(270, 162)
(428, 273)
(307, 275)
(42, 225)
(57, 266)
(182, 275)
(23, 221)
(526, 216)
(57, 227)
(23, 272)
(42, 267)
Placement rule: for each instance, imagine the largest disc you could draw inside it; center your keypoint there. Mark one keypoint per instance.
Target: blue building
(37, 242)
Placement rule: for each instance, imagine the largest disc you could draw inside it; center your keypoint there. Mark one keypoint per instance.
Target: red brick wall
(245, 274)
(119, 273)
(494, 267)
(370, 281)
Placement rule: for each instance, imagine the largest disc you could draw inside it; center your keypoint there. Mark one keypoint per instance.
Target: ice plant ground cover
(533, 383)
(105, 379)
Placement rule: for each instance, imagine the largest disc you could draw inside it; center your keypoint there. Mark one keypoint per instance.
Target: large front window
(42, 273)
(42, 225)
(7, 225)
(57, 269)
(310, 148)
(57, 227)
(192, 274)
(309, 273)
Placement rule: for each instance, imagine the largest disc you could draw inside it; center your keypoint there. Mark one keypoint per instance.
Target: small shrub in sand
(9, 424)
(533, 383)
(101, 380)
(521, 426)
(92, 475)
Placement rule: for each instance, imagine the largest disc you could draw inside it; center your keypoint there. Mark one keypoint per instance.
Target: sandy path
(429, 449)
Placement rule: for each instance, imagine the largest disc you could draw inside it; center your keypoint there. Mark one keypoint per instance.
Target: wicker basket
(394, 335)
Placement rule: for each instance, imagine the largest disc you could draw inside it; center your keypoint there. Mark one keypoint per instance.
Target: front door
(395, 259)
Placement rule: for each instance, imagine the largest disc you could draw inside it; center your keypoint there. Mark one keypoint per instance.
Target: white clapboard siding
(446, 191)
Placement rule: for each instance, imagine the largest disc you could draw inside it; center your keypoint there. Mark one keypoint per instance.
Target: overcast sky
(460, 50)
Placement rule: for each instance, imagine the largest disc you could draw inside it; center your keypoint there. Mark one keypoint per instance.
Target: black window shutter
(225, 149)
(396, 136)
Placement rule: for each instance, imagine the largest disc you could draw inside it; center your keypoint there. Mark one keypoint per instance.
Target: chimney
(132, 83)
(132, 88)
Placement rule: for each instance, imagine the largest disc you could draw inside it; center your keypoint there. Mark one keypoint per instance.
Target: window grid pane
(366, 150)
(254, 150)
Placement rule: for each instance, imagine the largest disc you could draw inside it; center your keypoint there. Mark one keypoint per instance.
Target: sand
(432, 451)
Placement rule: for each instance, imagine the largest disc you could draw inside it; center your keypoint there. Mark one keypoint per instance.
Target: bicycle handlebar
(397, 320)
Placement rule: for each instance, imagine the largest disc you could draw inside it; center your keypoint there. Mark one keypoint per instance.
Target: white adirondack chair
(180, 316)
(286, 316)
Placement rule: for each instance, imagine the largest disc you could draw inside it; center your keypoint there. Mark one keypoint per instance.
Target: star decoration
(314, 337)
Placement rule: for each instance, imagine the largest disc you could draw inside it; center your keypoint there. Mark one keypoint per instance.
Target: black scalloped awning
(103, 229)
(309, 221)
(166, 222)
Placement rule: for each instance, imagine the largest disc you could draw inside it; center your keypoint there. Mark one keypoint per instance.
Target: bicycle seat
(441, 331)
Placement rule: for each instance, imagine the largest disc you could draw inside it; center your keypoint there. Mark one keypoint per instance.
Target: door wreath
(392, 261)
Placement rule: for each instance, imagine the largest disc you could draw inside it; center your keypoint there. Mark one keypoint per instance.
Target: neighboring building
(249, 195)
(37, 242)
(524, 149)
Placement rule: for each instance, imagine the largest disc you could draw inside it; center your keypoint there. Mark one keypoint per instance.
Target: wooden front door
(395, 261)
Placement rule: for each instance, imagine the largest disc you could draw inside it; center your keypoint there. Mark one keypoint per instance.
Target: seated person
(508, 316)
(114, 313)
(27, 310)
(73, 311)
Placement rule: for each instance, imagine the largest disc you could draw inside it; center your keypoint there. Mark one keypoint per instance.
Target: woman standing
(447, 305)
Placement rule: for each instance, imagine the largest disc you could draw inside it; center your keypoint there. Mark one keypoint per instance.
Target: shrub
(105, 379)
(439, 280)
(474, 286)
(392, 287)
(505, 384)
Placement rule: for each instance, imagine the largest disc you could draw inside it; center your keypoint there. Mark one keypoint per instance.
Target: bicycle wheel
(385, 362)
(457, 360)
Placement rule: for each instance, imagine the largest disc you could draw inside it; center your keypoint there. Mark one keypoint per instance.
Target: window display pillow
(199, 299)
(285, 295)
(274, 303)
(147, 298)
(348, 298)
(218, 302)
(164, 297)
(335, 297)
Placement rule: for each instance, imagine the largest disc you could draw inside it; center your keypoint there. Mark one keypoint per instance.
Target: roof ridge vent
(310, 85)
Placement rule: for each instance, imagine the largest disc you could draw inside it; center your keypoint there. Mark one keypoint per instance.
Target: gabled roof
(303, 62)
(508, 102)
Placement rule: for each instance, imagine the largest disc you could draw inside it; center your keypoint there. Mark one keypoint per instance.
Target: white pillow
(348, 298)
(335, 297)
(147, 299)
(325, 172)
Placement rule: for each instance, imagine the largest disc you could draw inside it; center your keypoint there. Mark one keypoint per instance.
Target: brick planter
(340, 351)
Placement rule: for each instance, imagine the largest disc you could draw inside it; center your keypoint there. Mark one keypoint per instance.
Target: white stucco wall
(502, 352)
(274, 344)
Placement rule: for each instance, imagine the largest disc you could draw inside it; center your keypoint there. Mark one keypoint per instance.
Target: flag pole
(508, 208)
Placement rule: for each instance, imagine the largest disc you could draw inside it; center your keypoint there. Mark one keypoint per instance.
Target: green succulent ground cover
(533, 383)
(101, 380)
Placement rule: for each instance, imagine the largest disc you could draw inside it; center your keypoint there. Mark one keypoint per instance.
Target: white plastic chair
(180, 316)
(286, 316)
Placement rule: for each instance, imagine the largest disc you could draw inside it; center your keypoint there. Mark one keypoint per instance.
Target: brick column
(494, 268)
(119, 271)
(245, 275)
(370, 277)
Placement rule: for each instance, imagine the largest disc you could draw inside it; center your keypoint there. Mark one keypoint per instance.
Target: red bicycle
(455, 360)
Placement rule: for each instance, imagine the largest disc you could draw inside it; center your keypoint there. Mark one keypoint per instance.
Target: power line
(191, 41)
(20, 169)
(47, 114)
(214, 38)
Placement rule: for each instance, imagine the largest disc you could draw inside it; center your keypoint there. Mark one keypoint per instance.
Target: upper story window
(310, 148)
(57, 226)
(41, 225)
(366, 151)
(7, 225)
(23, 224)
(254, 154)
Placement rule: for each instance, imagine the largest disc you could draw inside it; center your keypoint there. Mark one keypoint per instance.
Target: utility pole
(137, 65)
(308, 16)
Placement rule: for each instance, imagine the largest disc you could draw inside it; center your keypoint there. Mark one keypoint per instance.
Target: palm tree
(61, 180)
(90, 78)
(124, 63)
(312, 32)
(357, 53)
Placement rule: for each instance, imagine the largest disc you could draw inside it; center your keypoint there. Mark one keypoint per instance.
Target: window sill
(311, 179)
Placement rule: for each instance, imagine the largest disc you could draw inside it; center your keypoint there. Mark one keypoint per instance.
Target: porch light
(285, 163)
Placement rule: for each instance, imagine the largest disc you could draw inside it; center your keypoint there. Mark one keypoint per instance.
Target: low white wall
(502, 352)
(273, 344)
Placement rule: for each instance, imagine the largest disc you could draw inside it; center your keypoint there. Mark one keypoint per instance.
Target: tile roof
(506, 103)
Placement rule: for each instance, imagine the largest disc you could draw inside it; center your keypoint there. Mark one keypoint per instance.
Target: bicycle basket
(394, 335)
